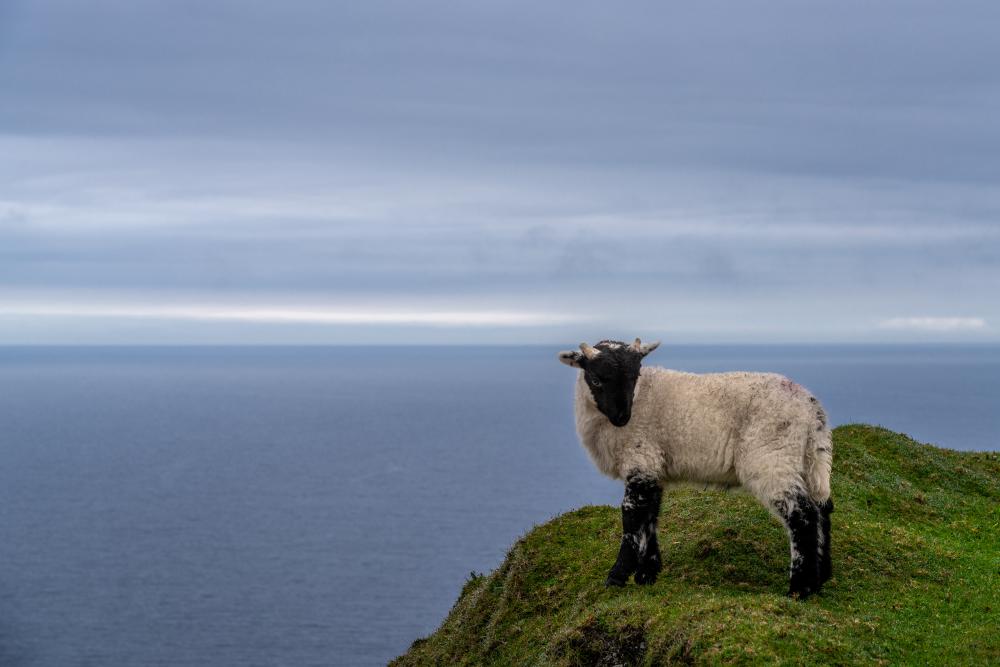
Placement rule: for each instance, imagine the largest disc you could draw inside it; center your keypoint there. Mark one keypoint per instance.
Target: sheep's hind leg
(801, 517)
(825, 563)
(639, 553)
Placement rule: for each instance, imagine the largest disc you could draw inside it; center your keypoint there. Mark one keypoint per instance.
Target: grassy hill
(916, 548)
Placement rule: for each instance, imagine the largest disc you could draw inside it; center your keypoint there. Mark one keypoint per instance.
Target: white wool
(757, 430)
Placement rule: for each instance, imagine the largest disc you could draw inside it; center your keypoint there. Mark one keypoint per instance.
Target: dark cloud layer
(751, 170)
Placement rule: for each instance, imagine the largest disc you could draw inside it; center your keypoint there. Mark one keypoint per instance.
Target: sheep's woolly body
(760, 431)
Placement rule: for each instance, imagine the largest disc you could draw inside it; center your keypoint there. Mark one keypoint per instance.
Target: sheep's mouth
(620, 421)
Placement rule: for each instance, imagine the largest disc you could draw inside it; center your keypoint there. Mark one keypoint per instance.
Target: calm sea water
(323, 506)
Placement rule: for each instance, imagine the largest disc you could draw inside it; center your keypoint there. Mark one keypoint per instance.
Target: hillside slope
(916, 545)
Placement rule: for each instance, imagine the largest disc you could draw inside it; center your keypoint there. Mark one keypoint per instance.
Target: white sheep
(760, 431)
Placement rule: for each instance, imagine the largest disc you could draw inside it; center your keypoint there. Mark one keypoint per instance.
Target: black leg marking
(825, 563)
(802, 520)
(639, 553)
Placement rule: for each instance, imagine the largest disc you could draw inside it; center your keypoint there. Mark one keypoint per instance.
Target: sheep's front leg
(639, 553)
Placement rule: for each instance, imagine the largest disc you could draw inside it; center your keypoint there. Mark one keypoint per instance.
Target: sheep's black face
(611, 371)
(612, 376)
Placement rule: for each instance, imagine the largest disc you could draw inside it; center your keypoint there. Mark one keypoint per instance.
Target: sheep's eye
(594, 381)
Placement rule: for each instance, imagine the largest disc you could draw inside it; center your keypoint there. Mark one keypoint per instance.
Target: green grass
(916, 549)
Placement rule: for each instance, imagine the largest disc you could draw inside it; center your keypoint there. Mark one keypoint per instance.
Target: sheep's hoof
(648, 570)
(645, 578)
(646, 575)
(613, 580)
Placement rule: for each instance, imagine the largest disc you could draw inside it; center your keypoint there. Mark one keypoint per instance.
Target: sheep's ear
(571, 358)
(637, 346)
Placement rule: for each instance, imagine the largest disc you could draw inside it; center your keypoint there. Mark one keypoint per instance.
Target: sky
(485, 172)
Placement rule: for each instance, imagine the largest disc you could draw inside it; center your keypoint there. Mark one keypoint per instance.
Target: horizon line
(684, 343)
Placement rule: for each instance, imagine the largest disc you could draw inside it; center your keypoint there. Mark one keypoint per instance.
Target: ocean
(324, 505)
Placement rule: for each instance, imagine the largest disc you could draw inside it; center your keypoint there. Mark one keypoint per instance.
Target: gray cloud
(761, 170)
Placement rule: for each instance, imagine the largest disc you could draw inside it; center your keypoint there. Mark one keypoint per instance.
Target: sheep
(758, 431)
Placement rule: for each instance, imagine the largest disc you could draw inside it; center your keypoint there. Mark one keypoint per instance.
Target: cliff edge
(916, 548)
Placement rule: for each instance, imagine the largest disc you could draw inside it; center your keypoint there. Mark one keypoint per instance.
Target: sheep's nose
(621, 419)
